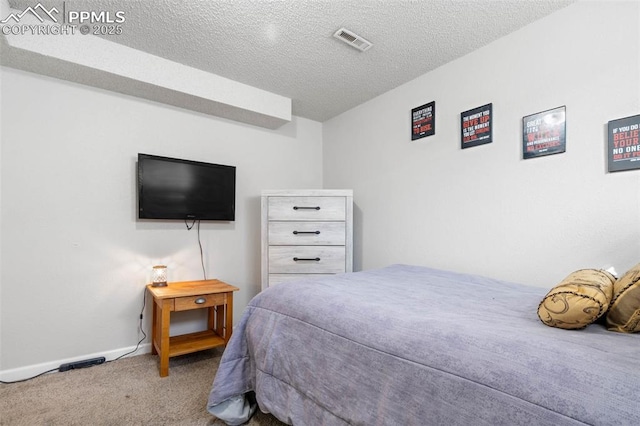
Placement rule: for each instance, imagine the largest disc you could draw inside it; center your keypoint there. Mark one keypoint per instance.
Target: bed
(410, 345)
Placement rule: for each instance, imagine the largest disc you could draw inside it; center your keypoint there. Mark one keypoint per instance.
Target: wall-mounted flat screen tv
(171, 188)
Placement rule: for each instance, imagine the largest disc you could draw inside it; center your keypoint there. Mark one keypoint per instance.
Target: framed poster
(476, 126)
(544, 133)
(624, 144)
(423, 121)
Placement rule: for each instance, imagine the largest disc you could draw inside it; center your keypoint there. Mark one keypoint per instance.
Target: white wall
(75, 259)
(484, 210)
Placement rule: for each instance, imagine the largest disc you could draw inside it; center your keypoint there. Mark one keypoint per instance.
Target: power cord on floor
(144, 302)
(29, 378)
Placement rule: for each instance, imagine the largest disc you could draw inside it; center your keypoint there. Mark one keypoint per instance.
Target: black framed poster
(476, 126)
(624, 144)
(544, 133)
(423, 121)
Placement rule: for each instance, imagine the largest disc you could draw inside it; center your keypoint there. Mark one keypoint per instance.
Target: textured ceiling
(286, 47)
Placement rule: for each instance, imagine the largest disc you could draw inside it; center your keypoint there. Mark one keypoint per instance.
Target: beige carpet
(124, 392)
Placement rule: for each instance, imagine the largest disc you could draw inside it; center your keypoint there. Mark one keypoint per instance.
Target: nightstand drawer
(197, 302)
(307, 233)
(307, 208)
(306, 259)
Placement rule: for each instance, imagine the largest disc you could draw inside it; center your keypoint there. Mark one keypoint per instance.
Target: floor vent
(352, 39)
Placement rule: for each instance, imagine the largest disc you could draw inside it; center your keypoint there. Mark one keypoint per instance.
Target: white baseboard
(29, 371)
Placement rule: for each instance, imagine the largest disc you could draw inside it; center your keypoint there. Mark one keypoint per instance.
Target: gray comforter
(408, 345)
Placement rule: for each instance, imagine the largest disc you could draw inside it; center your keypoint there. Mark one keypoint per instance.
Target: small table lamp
(159, 276)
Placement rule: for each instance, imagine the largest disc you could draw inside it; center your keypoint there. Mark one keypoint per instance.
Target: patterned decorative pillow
(578, 300)
(624, 313)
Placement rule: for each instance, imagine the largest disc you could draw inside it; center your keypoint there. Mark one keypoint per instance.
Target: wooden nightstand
(214, 295)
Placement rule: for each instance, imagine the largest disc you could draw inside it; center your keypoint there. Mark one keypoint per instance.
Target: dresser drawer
(275, 279)
(307, 233)
(306, 259)
(307, 208)
(196, 302)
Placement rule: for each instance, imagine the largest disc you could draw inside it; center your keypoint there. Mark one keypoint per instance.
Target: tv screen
(170, 188)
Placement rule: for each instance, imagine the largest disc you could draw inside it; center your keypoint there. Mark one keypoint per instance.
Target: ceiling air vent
(352, 39)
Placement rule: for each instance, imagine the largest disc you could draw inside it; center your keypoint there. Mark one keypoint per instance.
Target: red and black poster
(544, 133)
(475, 126)
(624, 144)
(423, 121)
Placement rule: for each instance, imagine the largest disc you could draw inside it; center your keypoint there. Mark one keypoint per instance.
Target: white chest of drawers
(305, 233)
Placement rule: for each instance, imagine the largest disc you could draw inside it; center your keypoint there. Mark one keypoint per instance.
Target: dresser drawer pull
(306, 232)
(200, 300)
(314, 259)
(306, 208)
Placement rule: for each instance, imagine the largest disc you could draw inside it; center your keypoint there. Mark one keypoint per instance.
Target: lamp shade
(159, 276)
